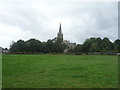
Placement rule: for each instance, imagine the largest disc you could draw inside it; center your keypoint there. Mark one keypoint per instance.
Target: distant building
(60, 35)
(4, 50)
(60, 39)
(118, 54)
(69, 44)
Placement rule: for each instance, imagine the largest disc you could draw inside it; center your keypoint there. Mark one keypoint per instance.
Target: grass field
(60, 71)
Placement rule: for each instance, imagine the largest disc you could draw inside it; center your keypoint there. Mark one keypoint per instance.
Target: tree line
(98, 45)
(90, 45)
(36, 46)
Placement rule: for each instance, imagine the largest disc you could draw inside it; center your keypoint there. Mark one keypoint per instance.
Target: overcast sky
(41, 20)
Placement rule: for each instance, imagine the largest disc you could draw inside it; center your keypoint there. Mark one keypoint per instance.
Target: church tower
(60, 35)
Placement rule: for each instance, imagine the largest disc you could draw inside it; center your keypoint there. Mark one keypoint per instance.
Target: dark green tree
(106, 45)
(50, 46)
(116, 45)
(19, 46)
(34, 45)
(79, 48)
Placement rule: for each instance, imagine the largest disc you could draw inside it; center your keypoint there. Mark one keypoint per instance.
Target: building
(60, 39)
(3, 50)
(60, 35)
(69, 44)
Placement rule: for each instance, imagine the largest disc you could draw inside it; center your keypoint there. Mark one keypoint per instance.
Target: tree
(13, 47)
(33, 45)
(19, 46)
(99, 42)
(79, 48)
(94, 47)
(106, 45)
(59, 47)
(116, 45)
(87, 45)
(50, 46)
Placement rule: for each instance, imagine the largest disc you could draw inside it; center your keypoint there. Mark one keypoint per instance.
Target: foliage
(37, 46)
(98, 45)
(90, 45)
(116, 45)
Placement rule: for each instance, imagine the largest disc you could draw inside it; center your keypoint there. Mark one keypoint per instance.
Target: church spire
(60, 35)
(60, 30)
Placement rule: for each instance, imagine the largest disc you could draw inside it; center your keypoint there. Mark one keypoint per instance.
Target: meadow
(59, 71)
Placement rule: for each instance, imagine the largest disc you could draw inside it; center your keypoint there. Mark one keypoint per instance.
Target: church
(60, 39)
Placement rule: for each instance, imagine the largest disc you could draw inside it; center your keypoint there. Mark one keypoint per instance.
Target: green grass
(60, 71)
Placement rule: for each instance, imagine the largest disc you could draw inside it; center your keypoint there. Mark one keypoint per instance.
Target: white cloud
(12, 33)
(41, 20)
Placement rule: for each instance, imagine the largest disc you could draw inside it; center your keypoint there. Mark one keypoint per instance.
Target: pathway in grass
(60, 71)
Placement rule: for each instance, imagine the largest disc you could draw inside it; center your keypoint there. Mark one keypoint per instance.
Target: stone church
(60, 39)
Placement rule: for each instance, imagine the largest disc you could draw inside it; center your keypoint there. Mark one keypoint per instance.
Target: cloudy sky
(40, 20)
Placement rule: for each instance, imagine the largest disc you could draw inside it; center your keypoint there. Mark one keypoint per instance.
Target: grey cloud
(84, 19)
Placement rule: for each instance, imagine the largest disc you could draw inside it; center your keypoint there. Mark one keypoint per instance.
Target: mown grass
(60, 71)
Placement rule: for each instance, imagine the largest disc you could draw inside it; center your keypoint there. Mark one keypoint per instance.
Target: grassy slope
(60, 71)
